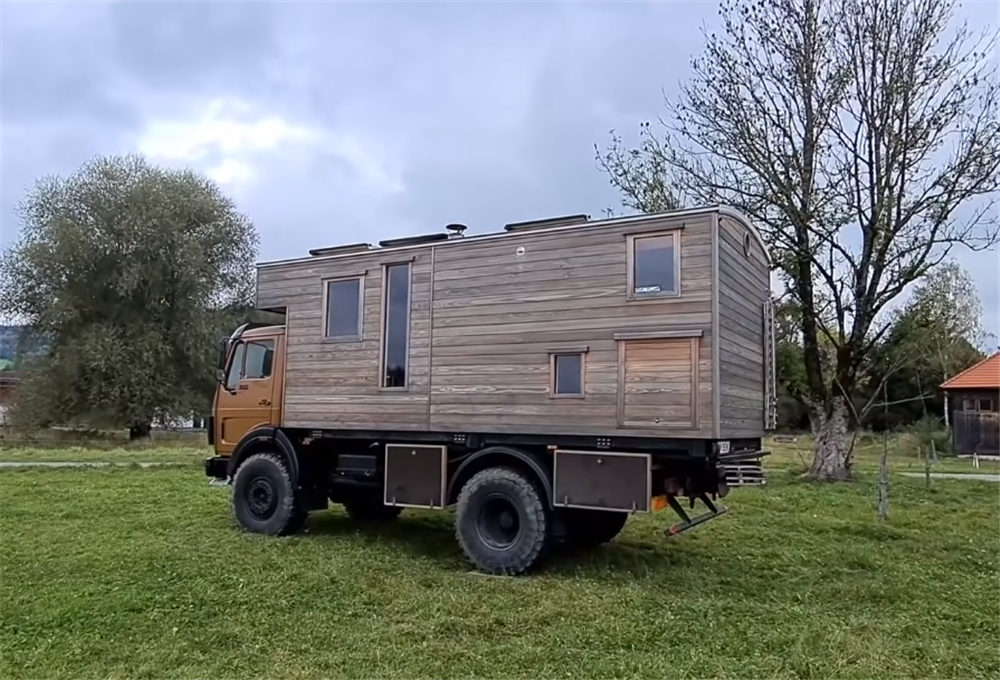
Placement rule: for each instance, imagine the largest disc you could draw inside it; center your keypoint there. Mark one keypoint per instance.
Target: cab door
(245, 402)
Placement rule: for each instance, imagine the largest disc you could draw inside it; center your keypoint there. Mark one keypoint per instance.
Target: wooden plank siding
(499, 314)
(489, 313)
(331, 383)
(744, 286)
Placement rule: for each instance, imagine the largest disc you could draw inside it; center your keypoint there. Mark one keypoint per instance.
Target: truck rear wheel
(502, 521)
(264, 499)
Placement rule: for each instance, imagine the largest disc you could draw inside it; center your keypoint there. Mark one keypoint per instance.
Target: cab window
(252, 360)
(259, 359)
(235, 368)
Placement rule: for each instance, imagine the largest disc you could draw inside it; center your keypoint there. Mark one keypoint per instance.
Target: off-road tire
(264, 499)
(585, 529)
(489, 494)
(371, 510)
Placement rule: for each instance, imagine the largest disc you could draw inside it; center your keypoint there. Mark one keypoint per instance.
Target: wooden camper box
(492, 319)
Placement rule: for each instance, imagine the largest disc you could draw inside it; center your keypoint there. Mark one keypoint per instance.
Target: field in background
(904, 455)
(117, 573)
(191, 445)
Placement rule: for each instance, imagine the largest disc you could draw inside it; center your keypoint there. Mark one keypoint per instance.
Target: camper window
(342, 305)
(567, 375)
(396, 326)
(654, 265)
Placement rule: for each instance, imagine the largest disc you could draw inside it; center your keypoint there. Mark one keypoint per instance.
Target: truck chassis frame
(516, 496)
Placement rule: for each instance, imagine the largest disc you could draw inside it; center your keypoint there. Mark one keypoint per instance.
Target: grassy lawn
(120, 573)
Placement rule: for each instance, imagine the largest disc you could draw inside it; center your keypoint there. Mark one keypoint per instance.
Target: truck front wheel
(502, 521)
(264, 499)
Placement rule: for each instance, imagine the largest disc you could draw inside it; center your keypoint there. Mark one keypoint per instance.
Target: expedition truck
(547, 381)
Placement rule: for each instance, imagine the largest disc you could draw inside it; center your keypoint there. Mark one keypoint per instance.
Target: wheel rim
(261, 498)
(498, 523)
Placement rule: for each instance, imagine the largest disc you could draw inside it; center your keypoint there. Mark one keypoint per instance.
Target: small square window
(654, 266)
(567, 375)
(343, 309)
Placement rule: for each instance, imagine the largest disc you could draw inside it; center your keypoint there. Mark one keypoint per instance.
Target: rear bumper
(217, 467)
(742, 468)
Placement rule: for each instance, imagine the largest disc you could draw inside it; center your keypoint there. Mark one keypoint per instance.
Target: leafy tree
(129, 273)
(937, 334)
(943, 322)
(861, 139)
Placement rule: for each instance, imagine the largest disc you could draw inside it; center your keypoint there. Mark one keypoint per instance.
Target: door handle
(265, 402)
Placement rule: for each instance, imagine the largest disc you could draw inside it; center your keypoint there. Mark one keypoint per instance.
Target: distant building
(973, 401)
(9, 381)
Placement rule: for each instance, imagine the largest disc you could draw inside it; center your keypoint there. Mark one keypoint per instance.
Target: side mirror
(220, 375)
(223, 352)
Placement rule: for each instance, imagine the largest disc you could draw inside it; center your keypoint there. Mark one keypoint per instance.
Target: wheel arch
(270, 440)
(528, 462)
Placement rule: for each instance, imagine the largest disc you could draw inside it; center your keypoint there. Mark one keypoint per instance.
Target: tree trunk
(139, 431)
(832, 455)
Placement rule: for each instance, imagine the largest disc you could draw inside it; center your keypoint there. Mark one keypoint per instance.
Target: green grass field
(122, 573)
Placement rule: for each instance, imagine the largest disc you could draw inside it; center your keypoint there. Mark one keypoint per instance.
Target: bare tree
(861, 136)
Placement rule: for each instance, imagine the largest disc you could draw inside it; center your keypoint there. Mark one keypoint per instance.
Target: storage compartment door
(416, 475)
(658, 383)
(602, 480)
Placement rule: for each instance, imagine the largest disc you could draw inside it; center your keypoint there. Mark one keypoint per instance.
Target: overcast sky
(340, 122)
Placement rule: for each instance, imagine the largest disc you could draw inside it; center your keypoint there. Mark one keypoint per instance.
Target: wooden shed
(973, 400)
(646, 326)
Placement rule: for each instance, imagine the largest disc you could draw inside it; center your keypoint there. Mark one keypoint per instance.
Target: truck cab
(251, 381)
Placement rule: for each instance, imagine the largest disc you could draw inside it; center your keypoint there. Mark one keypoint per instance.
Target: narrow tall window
(396, 333)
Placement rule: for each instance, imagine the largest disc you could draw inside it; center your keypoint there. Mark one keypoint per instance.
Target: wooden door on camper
(658, 383)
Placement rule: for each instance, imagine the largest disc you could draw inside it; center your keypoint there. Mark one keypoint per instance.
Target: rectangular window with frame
(976, 405)
(343, 308)
(396, 326)
(252, 360)
(566, 371)
(654, 265)
(259, 359)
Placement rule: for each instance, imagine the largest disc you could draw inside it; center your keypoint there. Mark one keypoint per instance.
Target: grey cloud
(489, 111)
(206, 46)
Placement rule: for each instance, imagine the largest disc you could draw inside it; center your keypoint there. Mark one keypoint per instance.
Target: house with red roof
(973, 400)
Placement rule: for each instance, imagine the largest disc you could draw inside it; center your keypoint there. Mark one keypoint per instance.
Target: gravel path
(956, 475)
